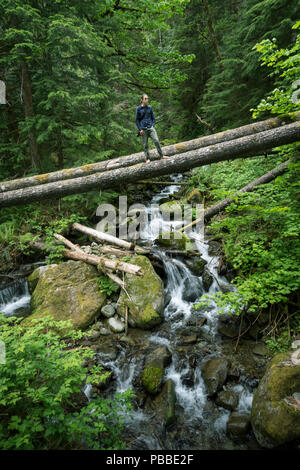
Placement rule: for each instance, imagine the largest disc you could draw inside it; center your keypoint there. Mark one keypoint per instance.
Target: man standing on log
(145, 121)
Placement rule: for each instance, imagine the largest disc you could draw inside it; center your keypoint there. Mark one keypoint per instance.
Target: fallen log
(266, 178)
(103, 236)
(243, 147)
(77, 254)
(129, 160)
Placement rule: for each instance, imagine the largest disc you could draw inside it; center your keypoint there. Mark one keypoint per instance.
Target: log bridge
(242, 142)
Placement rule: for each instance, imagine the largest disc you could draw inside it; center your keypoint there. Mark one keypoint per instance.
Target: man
(145, 121)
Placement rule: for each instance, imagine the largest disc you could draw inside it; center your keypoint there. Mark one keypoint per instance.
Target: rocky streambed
(192, 389)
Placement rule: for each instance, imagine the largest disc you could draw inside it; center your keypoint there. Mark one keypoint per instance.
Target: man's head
(144, 99)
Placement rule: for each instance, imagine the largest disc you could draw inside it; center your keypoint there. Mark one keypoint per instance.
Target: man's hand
(142, 132)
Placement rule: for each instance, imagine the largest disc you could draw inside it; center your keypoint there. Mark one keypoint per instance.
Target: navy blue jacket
(144, 117)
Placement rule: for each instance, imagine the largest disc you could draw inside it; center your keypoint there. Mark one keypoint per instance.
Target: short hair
(144, 94)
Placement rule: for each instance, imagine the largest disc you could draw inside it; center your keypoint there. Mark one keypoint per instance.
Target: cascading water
(200, 424)
(14, 298)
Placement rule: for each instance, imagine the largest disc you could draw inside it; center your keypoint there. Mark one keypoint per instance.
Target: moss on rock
(68, 291)
(275, 415)
(174, 240)
(152, 377)
(145, 299)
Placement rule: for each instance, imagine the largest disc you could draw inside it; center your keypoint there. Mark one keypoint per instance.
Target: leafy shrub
(107, 285)
(40, 385)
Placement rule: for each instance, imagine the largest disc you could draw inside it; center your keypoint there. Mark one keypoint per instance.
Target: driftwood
(129, 160)
(103, 236)
(243, 147)
(266, 178)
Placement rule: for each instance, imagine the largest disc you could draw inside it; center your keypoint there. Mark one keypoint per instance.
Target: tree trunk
(216, 209)
(136, 158)
(29, 113)
(212, 33)
(243, 147)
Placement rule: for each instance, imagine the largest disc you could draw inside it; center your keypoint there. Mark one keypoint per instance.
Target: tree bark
(136, 158)
(243, 147)
(29, 113)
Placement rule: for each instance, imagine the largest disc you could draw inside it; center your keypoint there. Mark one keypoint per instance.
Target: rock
(186, 340)
(32, 280)
(94, 335)
(229, 325)
(260, 349)
(188, 378)
(296, 344)
(165, 402)
(194, 196)
(214, 248)
(68, 291)
(153, 372)
(192, 289)
(207, 279)
(108, 310)
(174, 240)
(234, 373)
(146, 296)
(255, 332)
(238, 424)
(227, 399)
(196, 264)
(171, 207)
(104, 331)
(214, 374)
(275, 415)
(116, 325)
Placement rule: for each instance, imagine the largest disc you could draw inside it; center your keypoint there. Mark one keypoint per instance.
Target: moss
(68, 291)
(146, 296)
(152, 378)
(275, 421)
(180, 146)
(175, 240)
(42, 178)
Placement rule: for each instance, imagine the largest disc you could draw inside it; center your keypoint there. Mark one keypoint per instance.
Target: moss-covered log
(243, 147)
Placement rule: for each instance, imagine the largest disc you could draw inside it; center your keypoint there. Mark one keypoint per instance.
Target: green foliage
(283, 341)
(107, 285)
(40, 388)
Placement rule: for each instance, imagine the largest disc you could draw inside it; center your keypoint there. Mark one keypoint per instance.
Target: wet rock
(207, 279)
(214, 248)
(234, 373)
(192, 289)
(214, 374)
(165, 402)
(238, 424)
(230, 325)
(153, 372)
(260, 349)
(227, 399)
(275, 416)
(32, 280)
(146, 296)
(116, 325)
(255, 332)
(190, 339)
(108, 310)
(167, 299)
(196, 264)
(68, 291)
(104, 331)
(188, 378)
(94, 335)
(174, 240)
(194, 196)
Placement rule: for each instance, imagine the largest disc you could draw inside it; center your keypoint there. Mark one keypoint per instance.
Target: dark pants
(151, 132)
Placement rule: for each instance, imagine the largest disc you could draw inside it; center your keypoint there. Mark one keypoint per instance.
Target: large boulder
(174, 241)
(214, 373)
(68, 291)
(33, 278)
(275, 414)
(145, 299)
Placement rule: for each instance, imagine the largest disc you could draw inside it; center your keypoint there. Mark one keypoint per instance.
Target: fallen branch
(266, 178)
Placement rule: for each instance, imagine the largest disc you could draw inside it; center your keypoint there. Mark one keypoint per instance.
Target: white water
(14, 297)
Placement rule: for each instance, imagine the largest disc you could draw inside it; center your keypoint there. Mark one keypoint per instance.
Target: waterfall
(14, 298)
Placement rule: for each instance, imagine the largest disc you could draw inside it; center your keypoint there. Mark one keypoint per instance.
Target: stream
(200, 423)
